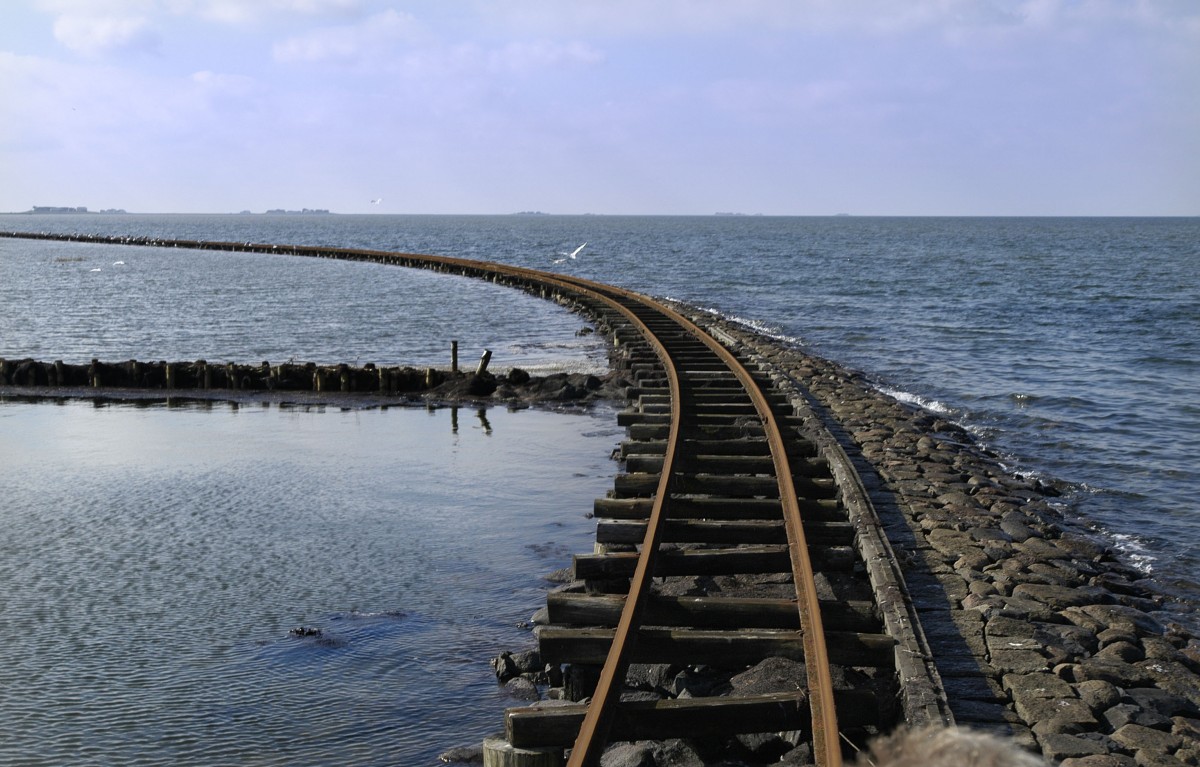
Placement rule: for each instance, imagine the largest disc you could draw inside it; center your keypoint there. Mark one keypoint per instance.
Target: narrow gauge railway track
(738, 533)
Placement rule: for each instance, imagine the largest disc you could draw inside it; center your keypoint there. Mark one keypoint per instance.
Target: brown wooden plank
(708, 612)
(750, 559)
(710, 531)
(644, 485)
(723, 649)
(823, 509)
(728, 463)
(557, 725)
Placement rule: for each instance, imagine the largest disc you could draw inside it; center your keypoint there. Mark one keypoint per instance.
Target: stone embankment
(1040, 632)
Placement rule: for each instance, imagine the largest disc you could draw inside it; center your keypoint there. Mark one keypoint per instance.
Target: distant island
(63, 209)
(301, 212)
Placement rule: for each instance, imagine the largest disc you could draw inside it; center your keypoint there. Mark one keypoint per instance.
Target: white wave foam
(932, 405)
(758, 326)
(1135, 550)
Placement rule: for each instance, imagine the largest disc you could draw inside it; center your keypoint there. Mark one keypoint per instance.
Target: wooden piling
(454, 356)
(498, 752)
(483, 362)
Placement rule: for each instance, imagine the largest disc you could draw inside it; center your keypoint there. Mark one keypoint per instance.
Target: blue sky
(780, 107)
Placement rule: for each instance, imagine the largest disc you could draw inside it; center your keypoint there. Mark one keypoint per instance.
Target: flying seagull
(377, 200)
(576, 251)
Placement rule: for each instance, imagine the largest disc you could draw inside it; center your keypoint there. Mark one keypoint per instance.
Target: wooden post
(94, 373)
(454, 356)
(483, 362)
(231, 372)
(170, 374)
(203, 374)
(60, 375)
(498, 752)
(344, 377)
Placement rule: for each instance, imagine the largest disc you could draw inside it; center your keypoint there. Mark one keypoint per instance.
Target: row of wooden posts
(203, 375)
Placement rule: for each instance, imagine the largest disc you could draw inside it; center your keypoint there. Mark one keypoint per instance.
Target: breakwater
(201, 374)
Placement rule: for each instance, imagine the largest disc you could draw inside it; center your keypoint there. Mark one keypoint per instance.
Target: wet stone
(1098, 694)
(1112, 636)
(1056, 714)
(1115, 672)
(950, 543)
(1027, 609)
(1127, 713)
(1060, 746)
(1034, 686)
(1101, 617)
(1073, 641)
(1136, 737)
(1019, 661)
(1017, 531)
(1010, 627)
(628, 755)
(1061, 597)
(1099, 760)
(1122, 651)
(1175, 678)
(973, 559)
(1007, 644)
(1187, 728)
(1059, 574)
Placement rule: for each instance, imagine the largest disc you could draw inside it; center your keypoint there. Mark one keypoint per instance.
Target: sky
(774, 107)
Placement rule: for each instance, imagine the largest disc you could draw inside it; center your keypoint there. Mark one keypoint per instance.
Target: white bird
(377, 200)
(576, 251)
(118, 263)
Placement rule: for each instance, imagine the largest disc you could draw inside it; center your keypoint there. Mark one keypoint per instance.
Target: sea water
(1067, 346)
(202, 584)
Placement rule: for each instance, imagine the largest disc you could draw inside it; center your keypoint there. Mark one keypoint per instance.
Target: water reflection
(480, 413)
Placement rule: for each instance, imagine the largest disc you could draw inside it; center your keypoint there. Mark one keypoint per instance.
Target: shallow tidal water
(155, 562)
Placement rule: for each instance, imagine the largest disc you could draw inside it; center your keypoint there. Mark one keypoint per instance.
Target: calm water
(1069, 346)
(154, 560)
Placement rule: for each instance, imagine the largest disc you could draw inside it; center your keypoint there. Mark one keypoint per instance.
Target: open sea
(154, 559)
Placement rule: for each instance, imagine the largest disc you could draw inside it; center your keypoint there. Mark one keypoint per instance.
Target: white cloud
(245, 11)
(99, 35)
(374, 38)
(398, 43)
(522, 57)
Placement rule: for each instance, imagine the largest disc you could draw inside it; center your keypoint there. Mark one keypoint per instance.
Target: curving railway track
(741, 583)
